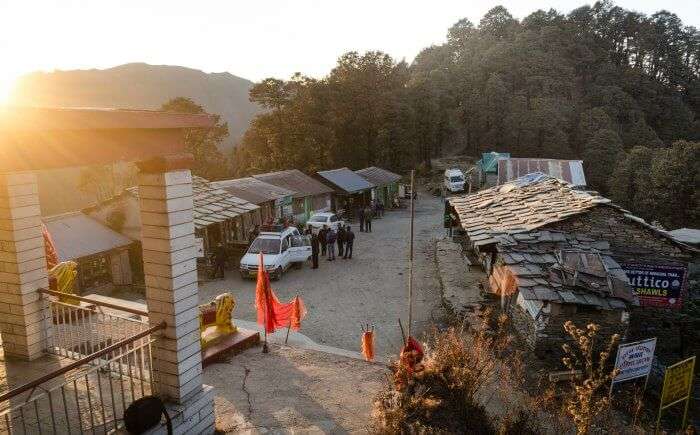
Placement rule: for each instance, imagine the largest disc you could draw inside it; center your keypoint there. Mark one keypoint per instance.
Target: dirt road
(371, 288)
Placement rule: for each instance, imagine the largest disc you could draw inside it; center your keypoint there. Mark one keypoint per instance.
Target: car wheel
(277, 274)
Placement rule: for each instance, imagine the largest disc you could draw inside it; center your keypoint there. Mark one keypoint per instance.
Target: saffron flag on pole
(271, 313)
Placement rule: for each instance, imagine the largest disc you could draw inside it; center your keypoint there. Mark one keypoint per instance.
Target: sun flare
(7, 84)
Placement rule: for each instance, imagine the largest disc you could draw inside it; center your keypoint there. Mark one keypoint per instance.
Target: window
(295, 232)
(456, 179)
(266, 246)
(334, 218)
(321, 219)
(285, 244)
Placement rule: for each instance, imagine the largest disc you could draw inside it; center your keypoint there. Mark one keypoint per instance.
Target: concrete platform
(231, 345)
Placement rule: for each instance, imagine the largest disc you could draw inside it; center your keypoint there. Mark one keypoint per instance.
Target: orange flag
(271, 312)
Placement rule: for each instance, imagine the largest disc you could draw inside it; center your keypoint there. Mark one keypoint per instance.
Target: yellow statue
(64, 273)
(215, 319)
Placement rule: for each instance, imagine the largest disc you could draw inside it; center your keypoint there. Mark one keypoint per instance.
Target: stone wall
(678, 334)
(546, 343)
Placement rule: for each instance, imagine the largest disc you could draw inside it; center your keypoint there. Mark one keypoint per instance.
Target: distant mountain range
(142, 86)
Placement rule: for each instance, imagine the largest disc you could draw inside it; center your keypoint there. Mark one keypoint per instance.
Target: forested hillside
(613, 87)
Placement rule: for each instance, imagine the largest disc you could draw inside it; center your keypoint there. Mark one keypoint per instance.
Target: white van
(454, 180)
(281, 249)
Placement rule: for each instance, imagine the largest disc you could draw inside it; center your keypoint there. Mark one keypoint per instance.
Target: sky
(251, 39)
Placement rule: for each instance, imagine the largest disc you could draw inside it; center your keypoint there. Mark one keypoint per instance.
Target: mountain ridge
(139, 85)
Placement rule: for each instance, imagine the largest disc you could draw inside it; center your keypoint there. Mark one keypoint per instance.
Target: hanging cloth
(272, 313)
(49, 248)
(368, 345)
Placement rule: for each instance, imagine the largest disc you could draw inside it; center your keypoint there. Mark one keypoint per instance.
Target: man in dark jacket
(349, 240)
(330, 244)
(361, 217)
(322, 239)
(314, 250)
(219, 261)
(341, 240)
(368, 213)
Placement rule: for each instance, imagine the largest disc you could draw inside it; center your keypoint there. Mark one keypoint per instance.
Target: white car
(331, 220)
(454, 180)
(281, 249)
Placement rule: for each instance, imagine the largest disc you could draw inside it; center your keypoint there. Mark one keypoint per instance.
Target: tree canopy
(595, 84)
(204, 144)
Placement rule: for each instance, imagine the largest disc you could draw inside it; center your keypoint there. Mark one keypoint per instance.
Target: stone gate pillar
(22, 267)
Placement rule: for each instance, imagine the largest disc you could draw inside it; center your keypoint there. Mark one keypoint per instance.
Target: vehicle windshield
(456, 179)
(266, 246)
(318, 219)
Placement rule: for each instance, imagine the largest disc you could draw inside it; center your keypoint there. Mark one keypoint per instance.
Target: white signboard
(199, 245)
(634, 359)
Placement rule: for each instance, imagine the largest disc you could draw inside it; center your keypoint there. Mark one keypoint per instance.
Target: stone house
(554, 253)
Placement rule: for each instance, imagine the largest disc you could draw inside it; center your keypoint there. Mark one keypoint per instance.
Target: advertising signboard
(634, 359)
(678, 382)
(657, 285)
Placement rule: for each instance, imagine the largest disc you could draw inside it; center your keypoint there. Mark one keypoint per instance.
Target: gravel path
(372, 287)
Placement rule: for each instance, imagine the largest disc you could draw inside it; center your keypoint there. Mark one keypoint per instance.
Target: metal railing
(81, 330)
(92, 396)
(112, 368)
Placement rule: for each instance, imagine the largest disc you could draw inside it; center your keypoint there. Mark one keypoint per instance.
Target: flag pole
(410, 257)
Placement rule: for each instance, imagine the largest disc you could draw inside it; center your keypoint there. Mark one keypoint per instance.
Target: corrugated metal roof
(296, 181)
(378, 176)
(253, 190)
(77, 235)
(212, 204)
(14, 118)
(570, 171)
(346, 180)
(686, 235)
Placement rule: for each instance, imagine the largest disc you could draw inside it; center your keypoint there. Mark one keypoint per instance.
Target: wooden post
(410, 257)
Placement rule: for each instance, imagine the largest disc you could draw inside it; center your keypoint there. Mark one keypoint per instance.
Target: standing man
(322, 233)
(349, 240)
(219, 261)
(330, 244)
(368, 219)
(341, 240)
(314, 250)
(361, 217)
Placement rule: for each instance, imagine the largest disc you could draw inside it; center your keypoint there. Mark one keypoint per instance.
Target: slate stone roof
(212, 204)
(562, 268)
(531, 202)
(525, 204)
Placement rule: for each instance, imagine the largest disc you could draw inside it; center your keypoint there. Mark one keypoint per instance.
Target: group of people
(325, 241)
(365, 215)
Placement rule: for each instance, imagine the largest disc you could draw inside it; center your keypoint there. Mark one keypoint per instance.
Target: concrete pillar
(22, 267)
(169, 256)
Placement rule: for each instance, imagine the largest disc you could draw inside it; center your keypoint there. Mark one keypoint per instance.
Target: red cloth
(368, 345)
(273, 314)
(49, 248)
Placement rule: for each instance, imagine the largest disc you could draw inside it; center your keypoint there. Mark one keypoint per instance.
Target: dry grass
(465, 371)
(442, 398)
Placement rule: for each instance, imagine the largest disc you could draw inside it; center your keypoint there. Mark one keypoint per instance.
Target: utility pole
(410, 256)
